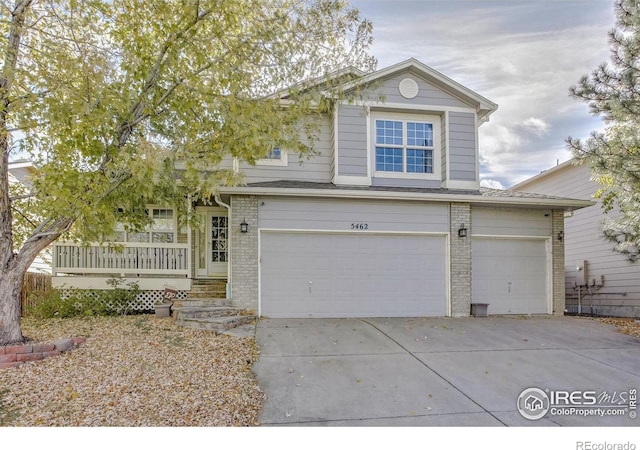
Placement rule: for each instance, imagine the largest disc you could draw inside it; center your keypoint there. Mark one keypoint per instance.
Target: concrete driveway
(441, 371)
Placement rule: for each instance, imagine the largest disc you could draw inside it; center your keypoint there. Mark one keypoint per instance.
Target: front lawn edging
(16, 355)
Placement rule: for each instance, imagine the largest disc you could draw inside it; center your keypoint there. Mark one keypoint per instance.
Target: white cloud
(524, 56)
(537, 126)
(493, 184)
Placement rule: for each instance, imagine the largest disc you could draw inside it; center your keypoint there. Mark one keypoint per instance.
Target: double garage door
(332, 274)
(329, 274)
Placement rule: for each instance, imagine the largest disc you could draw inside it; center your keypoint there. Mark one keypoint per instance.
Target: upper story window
(275, 157)
(275, 153)
(406, 146)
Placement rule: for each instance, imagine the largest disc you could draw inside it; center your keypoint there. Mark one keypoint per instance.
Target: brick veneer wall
(460, 251)
(244, 249)
(15, 355)
(557, 256)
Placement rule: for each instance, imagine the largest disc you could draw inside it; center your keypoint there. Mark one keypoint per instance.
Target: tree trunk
(12, 269)
(10, 294)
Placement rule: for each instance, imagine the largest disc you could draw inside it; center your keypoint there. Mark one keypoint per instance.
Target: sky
(521, 54)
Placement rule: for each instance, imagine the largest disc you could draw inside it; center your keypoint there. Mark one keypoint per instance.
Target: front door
(213, 244)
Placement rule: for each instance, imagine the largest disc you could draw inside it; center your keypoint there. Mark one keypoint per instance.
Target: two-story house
(387, 219)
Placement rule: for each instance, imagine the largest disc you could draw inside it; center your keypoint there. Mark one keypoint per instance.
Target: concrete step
(195, 285)
(200, 312)
(211, 289)
(207, 294)
(218, 325)
(208, 289)
(201, 302)
(206, 282)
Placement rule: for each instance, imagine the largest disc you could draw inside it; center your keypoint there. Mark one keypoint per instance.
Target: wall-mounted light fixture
(462, 231)
(244, 226)
(560, 235)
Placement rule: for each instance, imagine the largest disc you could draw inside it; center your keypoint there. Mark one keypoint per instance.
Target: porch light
(244, 226)
(462, 231)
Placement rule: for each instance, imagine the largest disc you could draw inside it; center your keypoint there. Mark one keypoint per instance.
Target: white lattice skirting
(145, 300)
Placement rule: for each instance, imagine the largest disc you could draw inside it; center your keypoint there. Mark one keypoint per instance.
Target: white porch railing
(131, 258)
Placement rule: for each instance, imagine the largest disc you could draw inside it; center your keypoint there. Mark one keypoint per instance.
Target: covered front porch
(164, 255)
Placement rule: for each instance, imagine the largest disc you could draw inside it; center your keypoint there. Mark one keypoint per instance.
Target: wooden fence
(34, 282)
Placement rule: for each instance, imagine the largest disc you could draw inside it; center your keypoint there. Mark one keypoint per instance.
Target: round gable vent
(408, 88)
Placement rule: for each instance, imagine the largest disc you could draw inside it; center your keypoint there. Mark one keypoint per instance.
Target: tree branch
(23, 196)
(24, 216)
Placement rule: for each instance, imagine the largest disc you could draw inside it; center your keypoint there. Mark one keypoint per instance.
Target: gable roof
(355, 77)
(545, 173)
(348, 73)
(484, 106)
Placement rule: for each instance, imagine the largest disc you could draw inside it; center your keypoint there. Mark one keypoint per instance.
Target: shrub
(52, 304)
(86, 302)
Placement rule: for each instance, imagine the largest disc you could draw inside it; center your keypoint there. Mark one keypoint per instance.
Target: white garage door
(352, 275)
(511, 275)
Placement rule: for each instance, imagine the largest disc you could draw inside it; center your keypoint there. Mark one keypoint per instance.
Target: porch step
(207, 294)
(204, 312)
(208, 289)
(219, 325)
(214, 315)
(208, 282)
(201, 302)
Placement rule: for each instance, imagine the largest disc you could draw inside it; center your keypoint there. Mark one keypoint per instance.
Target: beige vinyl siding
(338, 215)
(315, 168)
(428, 94)
(510, 222)
(462, 146)
(352, 141)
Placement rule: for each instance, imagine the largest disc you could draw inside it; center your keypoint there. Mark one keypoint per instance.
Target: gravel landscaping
(134, 371)
(625, 325)
(141, 371)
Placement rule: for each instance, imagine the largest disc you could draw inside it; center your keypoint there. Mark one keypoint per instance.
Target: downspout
(219, 201)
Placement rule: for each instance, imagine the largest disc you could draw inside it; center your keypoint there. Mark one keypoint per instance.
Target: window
(405, 146)
(161, 230)
(275, 154)
(275, 157)
(162, 226)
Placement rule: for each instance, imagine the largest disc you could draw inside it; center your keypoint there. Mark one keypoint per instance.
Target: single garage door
(511, 275)
(352, 275)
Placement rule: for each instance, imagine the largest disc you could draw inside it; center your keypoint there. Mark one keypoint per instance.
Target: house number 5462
(359, 226)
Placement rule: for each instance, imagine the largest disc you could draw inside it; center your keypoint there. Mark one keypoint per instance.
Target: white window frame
(432, 119)
(149, 229)
(282, 162)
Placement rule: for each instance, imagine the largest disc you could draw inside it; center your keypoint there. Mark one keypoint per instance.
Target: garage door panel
(352, 275)
(510, 275)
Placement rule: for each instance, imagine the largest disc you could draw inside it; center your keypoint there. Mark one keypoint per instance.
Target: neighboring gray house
(598, 279)
(387, 220)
